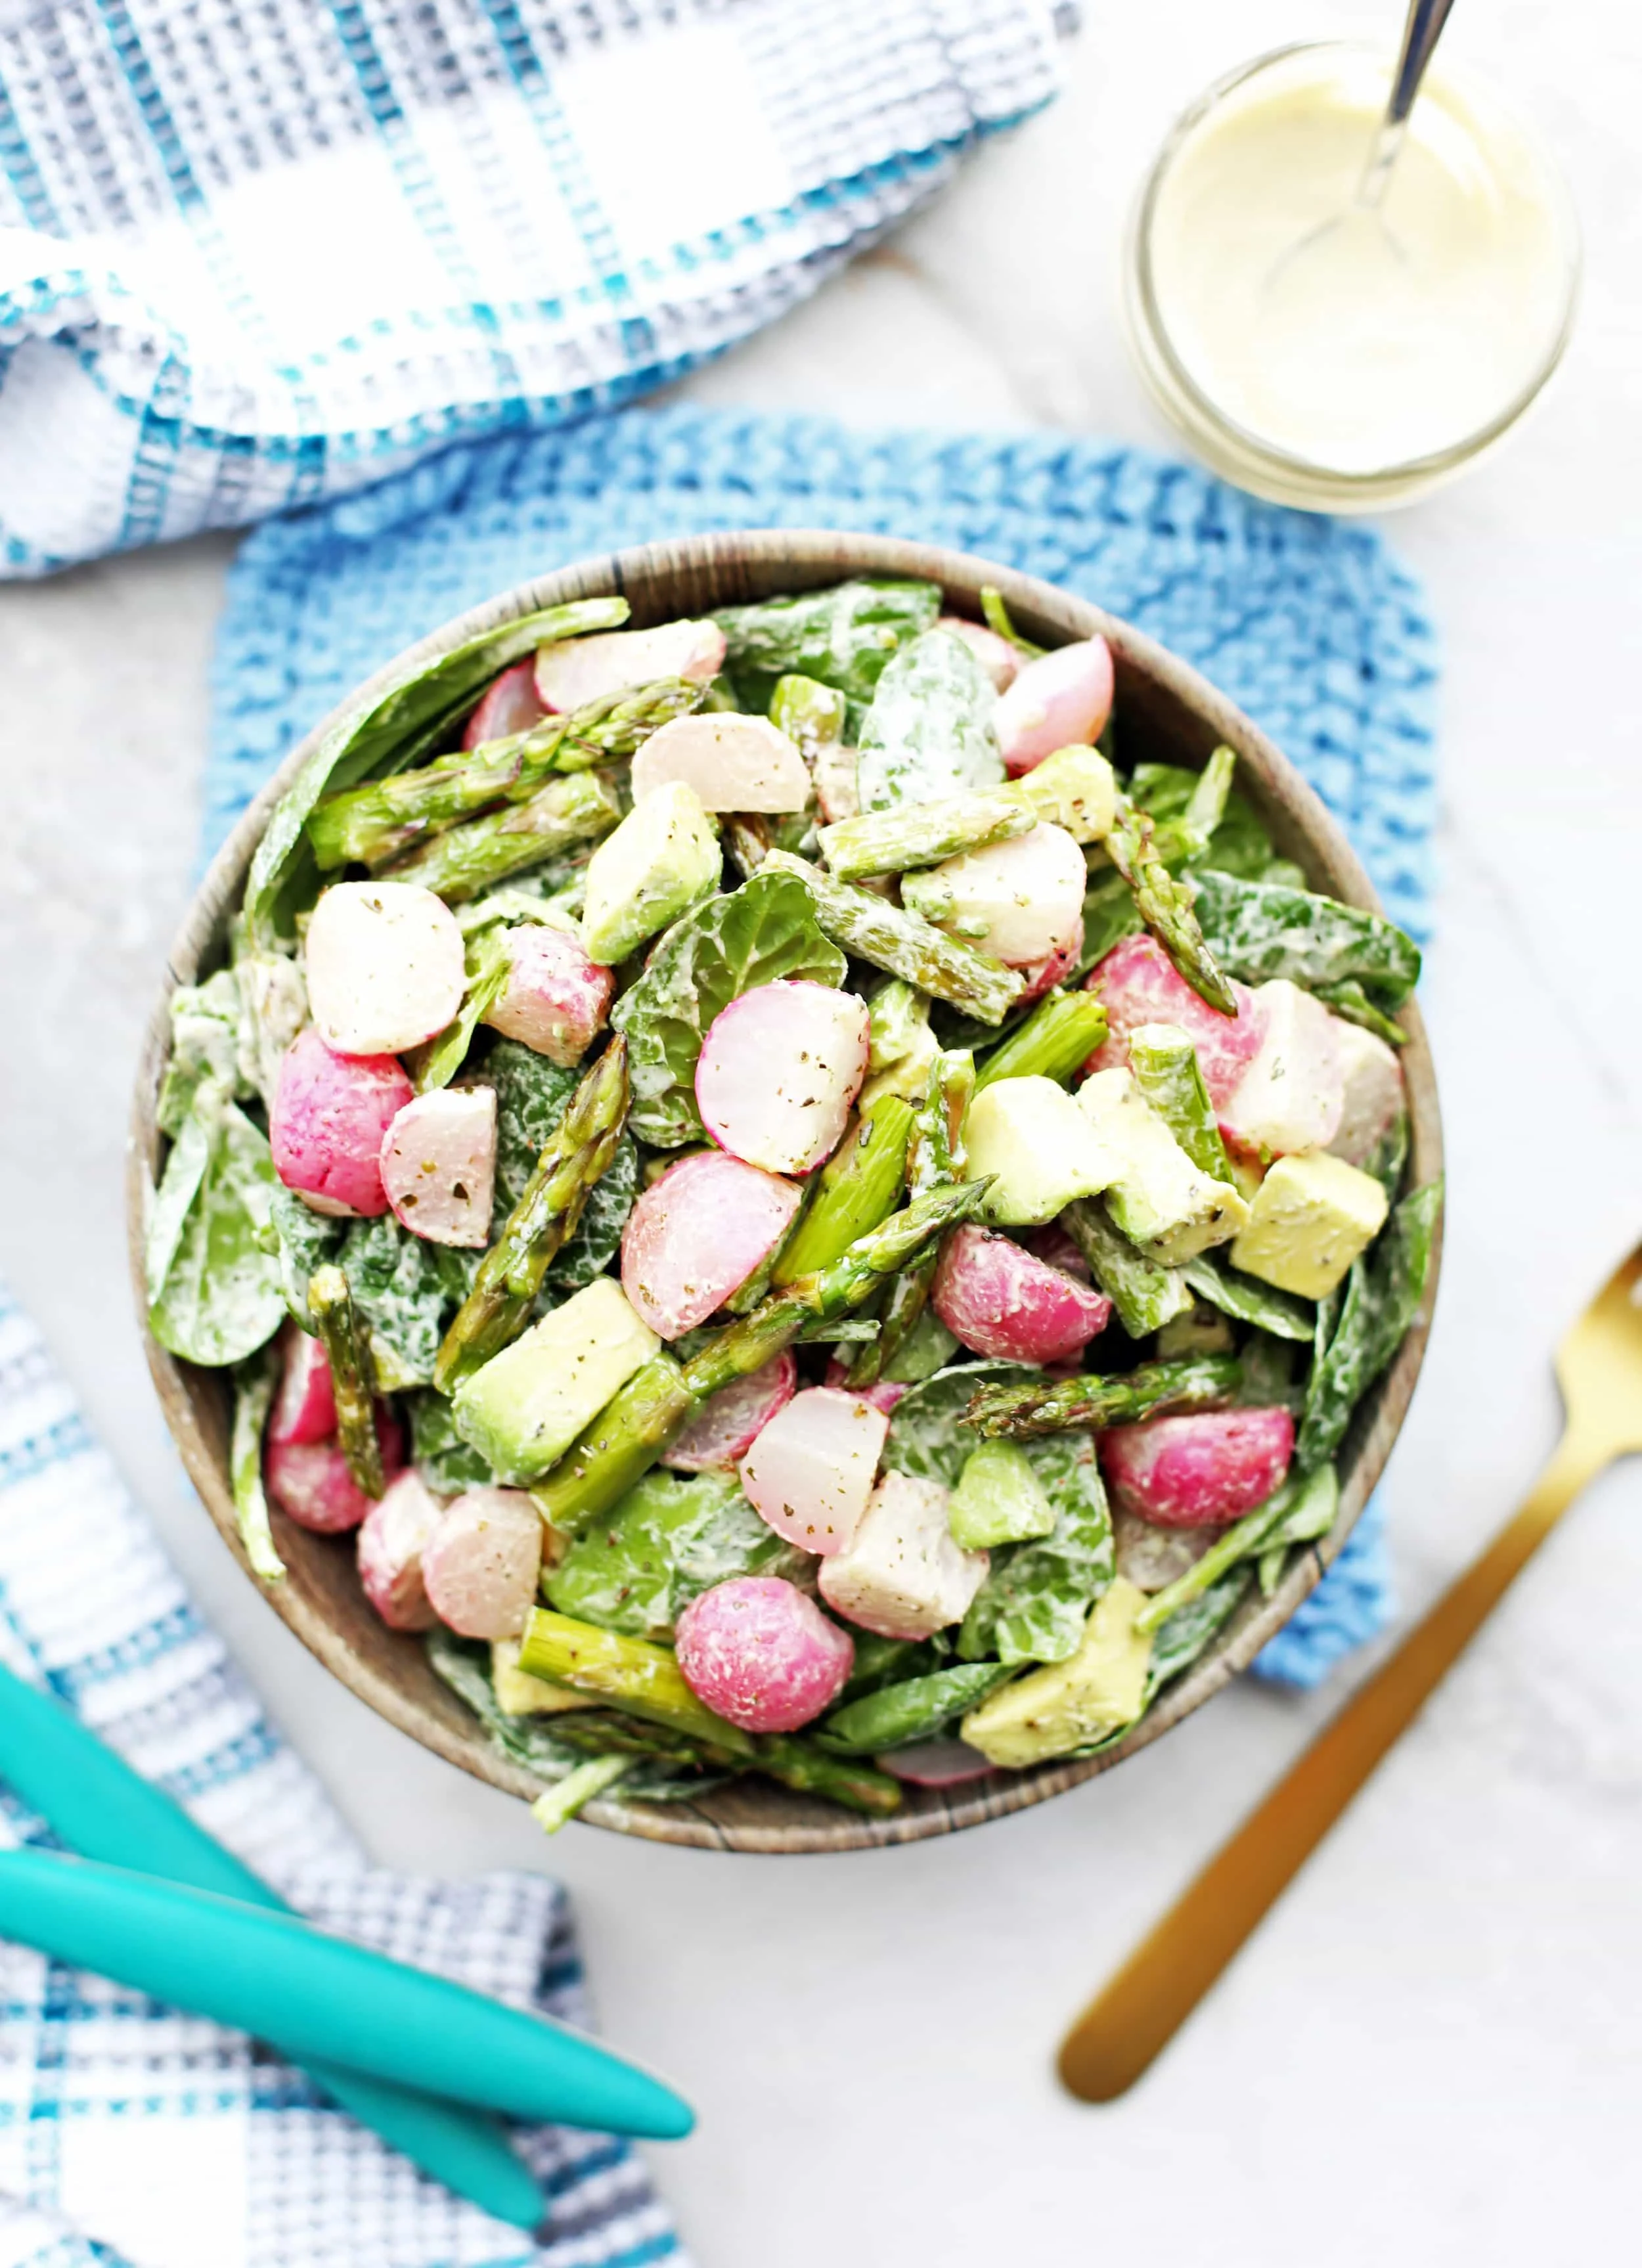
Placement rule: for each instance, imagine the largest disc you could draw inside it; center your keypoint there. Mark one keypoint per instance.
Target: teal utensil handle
(94, 1803)
(313, 1995)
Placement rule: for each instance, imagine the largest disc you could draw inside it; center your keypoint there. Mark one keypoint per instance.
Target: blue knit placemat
(1309, 624)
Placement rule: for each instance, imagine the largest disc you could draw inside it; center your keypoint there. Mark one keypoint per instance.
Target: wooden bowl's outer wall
(1167, 712)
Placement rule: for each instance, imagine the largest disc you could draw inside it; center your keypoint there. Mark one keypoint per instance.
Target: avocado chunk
(1039, 1147)
(1163, 1202)
(661, 860)
(999, 1499)
(521, 1694)
(1070, 1704)
(1075, 787)
(522, 1409)
(1311, 1217)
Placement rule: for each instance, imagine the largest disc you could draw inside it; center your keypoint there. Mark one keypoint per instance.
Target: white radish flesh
(729, 1422)
(329, 1115)
(396, 1531)
(778, 1071)
(383, 967)
(305, 1409)
(481, 1565)
(998, 657)
(1291, 1095)
(902, 1575)
(1373, 1095)
(1027, 894)
(697, 1235)
(810, 1472)
(439, 1165)
(837, 783)
(733, 763)
(1063, 698)
(512, 705)
(579, 670)
(556, 999)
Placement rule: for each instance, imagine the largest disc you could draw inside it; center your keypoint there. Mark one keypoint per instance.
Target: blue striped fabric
(1309, 624)
(136, 2137)
(252, 256)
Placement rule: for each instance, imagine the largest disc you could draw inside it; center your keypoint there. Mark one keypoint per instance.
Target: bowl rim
(723, 565)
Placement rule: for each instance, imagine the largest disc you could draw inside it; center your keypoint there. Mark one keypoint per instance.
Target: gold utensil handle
(1163, 1979)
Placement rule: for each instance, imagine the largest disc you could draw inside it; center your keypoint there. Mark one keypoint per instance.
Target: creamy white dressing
(1351, 338)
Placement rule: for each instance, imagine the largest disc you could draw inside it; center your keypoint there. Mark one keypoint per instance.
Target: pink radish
(733, 763)
(1292, 1090)
(697, 1235)
(1373, 1094)
(778, 1071)
(385, 967)
(579, 670)
(480, 1564)
(728, 1425)
(395, 1534)
(311, 1483)
(1201, 1471)
(439, 1165)
(902, 1575)
(329, 1115)
(882, 1394)
(305, 1409)
(555, 997)
(1043, 975)
(998, 657)
(811, 1471)
(760, 1654)
(1003, 1302)
(511, 706)
(1139, 984)
(1061, 701)
(935, 1763)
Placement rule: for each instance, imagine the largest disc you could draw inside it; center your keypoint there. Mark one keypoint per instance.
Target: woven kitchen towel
(1309, 624)
(252, 256)
(133, 2137)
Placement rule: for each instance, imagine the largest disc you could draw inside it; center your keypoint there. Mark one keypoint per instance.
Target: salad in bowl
(803, 1211)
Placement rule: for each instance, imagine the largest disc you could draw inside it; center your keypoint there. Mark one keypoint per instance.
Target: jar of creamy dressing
(1324, 352)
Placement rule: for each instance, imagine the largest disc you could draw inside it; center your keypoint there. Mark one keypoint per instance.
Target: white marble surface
(1430, 2051)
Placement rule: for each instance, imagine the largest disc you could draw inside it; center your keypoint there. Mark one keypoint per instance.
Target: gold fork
(1598, 1368)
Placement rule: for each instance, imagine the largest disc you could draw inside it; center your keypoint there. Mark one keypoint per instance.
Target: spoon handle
(1138, 2011)
(1420, 35)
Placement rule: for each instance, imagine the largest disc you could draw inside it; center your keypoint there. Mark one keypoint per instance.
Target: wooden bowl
(1167, 713)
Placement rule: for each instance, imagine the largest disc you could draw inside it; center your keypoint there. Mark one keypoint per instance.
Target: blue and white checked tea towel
(1307, 624)
(255, 255)
(132, 2137)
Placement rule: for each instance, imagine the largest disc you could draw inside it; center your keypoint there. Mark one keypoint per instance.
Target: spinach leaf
(671, 1537)
(532, 1741)
(254, 1383)
(406, 1289)
(205, 1032)
(1036, 1596)
(532, 1095)
(1383, 1297)
(436, 1064)
(929, 732)
(301, 1241)
(728, 946)
(1238, 843)
(444, 1461)
(405, 723)
(213, 1285)
(1109, 913)
(897, 1715)
(1194, 1627)
(1214, 1279)
(842, 637)
(1261, 930)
